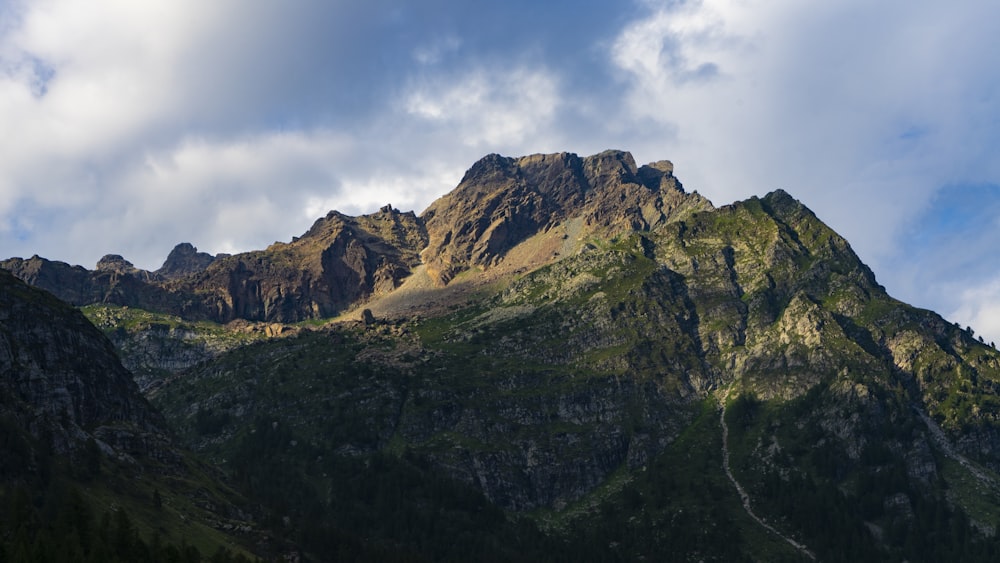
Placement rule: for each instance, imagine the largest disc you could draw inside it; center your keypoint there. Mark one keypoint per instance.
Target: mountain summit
(503, 201)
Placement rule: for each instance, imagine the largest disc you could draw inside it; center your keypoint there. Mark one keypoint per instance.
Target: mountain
(503, 201)
(343, 261)
(573, 358)
(184, 260)
(46, 386)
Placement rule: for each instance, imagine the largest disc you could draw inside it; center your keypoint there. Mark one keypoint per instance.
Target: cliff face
(71, 417)
(184, 260)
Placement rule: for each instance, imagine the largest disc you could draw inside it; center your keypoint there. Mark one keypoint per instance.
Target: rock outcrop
(339, 262)
(502, 201)
(184, 260)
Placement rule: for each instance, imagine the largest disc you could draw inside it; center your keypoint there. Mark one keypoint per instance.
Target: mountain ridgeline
(534, 368)
(342, 261)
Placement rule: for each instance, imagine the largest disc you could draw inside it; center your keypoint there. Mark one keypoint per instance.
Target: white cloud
(488, 108)
(132, 126)
(979, 308)
(221, 195)
(862, 111)
(409, 190)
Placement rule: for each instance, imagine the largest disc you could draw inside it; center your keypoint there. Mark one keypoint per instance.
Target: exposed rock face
(71, 415)
(340, 261)
(116, 264)
(503, 201)
(73, 284)
(184, 260)
(115, 281)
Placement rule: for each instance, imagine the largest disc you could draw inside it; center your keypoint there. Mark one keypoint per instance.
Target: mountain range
(563, 358)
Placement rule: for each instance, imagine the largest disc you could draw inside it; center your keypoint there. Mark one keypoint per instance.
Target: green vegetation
(367, 440)
(570, 414)
(680, 506)
(114, 319)
(62, 525)
(861, 506)
(92, 508)
(155, 345)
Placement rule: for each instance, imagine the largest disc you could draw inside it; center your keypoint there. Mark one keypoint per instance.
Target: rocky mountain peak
(491, 165)
(184, 260)
(610, 166)
(115, 263)
(502, 202)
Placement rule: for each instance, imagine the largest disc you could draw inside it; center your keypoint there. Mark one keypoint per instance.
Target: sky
(127, 127)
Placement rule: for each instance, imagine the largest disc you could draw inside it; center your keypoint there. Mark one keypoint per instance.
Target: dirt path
(744, 497)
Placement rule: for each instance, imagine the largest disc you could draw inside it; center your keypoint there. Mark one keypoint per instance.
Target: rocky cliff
(81, 442)
(340, 261)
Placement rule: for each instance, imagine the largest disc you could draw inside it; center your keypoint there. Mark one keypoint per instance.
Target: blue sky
(131, 126)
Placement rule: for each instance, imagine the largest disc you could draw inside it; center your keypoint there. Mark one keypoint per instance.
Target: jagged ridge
(343, 261)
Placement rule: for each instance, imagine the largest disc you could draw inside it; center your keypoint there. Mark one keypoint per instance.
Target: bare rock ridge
(339, 261)
(184, 260)
(502, 201)
(116, 264)
(343, 261)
